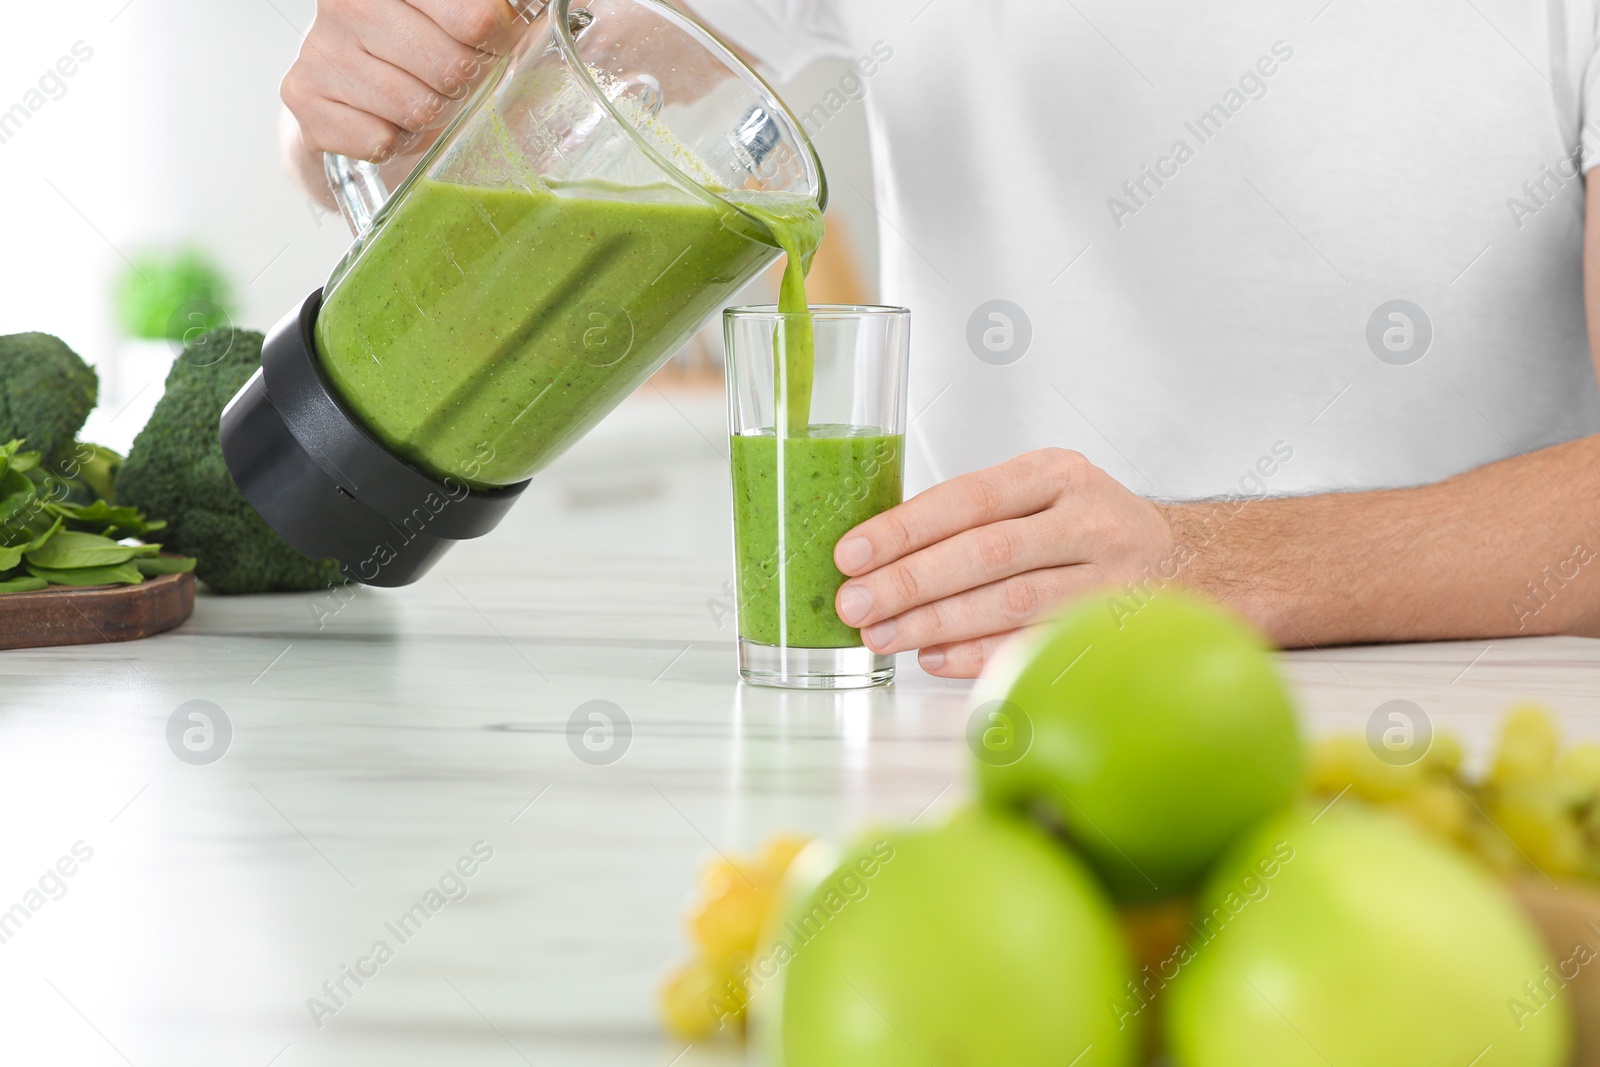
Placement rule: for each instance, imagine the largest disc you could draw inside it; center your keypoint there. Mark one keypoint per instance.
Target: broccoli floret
(175, 471)
(46, 391)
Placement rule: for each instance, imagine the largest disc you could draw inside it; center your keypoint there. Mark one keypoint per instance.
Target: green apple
(979, 943)
(1352, 938)
(1154, 731)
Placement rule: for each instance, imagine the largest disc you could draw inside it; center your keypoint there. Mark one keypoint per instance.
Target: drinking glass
(799, 484)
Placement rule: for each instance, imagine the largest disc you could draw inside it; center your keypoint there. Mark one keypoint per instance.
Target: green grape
(1493, 848)
(1577, 773)
(1542, 827)
(1528, 744)
(1387, 783)
(1591, 832)
(1338, 763)
(1539, 805)
(1444, 755)
(1567, 853)
(1331, 763)
(1439, 808)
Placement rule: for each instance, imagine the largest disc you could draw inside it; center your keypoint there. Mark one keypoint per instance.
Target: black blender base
(330, 488)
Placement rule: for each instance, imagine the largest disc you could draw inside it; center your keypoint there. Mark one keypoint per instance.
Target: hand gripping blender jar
(601, 195)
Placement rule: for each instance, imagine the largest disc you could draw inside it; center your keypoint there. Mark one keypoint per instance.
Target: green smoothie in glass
(828, 478)
(829, 481)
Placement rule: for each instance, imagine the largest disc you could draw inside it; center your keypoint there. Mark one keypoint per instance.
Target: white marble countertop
(370, 755)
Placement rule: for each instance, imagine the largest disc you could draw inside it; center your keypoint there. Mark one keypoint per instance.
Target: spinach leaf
(155, 565)
(70, 548)
(14, 467)
(15, 483)
(117, 574)
(65, 530)
(24, 584)
(38, 542)
(97, 469)
(105, 519)
(16, 508)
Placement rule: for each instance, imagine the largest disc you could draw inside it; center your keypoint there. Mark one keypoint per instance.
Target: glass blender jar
(611, 184)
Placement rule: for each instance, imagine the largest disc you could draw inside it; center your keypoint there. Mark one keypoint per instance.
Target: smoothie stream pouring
(617, 178)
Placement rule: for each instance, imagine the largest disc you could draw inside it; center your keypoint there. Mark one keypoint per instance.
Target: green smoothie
(480, 331)
(829, 480)
(796, 226)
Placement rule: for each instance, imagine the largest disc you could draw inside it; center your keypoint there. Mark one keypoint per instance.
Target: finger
(417, 45)
(969, 559)
(1018, 487)
(330, 126)
(384, 90)
(998, 607)
(962, 659)
(487, 25)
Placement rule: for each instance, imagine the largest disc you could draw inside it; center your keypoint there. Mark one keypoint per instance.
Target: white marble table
(370, 755)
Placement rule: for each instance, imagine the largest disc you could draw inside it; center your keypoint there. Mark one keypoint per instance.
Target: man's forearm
(1508, 549)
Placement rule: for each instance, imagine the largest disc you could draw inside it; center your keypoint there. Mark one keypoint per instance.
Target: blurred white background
(167, 136)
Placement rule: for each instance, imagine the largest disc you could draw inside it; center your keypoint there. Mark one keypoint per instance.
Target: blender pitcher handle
(358, 187)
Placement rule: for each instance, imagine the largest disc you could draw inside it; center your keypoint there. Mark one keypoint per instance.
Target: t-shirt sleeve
(786, 36)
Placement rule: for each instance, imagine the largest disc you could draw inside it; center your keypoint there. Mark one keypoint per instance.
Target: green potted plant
(171, 295)
(165, 298)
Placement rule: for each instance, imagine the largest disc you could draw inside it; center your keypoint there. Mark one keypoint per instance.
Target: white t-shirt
(1206, 212)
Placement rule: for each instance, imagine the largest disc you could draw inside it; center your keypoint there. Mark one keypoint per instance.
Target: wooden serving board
(96, 614)
(1568, 917)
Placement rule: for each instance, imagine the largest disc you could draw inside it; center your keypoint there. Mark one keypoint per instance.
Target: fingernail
(854, 603)
(853, 553)
(930, 659)
(880, 634)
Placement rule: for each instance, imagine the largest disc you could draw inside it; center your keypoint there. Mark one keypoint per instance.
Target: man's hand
(956, 569)
(376, 78)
